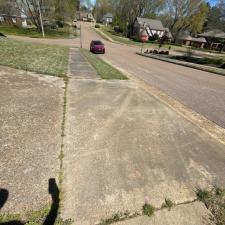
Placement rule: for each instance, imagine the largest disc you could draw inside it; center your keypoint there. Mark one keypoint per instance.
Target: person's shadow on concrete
(52, 215)
(54, 192)
(4, 194)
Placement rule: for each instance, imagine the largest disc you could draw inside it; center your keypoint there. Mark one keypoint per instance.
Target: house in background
(187, 40)
(215, 39)
(85, 16)
(107, 18)
(13, 16)
(152, 28)
(16, 20)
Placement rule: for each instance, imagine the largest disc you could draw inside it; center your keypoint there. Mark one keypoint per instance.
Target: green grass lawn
(58, 33)
(104, 70)
(203, 61)
(40, 58)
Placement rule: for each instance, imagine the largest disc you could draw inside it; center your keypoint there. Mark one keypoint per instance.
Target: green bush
(97, 26)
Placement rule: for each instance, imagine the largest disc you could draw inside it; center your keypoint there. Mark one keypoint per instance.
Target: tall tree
(216, 17)
(7, 7)
(31, 9)
(60, 10)
(65, 9)
(184, 15)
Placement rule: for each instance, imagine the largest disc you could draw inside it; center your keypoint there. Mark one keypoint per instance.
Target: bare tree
(7, 8)
(181, 15)
(31, 9)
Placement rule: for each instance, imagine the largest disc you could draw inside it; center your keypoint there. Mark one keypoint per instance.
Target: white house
(107, 18)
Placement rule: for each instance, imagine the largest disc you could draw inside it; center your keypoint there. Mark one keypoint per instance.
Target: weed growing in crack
(202, 195)
(148, 209)
(119, 217)
(168, 203)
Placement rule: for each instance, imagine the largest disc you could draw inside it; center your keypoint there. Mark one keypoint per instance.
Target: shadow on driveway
(52, 215)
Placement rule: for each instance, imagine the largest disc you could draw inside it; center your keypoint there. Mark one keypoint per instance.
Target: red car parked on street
(97, 46)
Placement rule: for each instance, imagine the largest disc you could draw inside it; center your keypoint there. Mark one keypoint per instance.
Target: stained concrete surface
(30, 130)
(123, 148)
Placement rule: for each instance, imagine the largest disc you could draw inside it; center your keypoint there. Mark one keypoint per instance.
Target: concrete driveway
(30, 138)
(201, 91)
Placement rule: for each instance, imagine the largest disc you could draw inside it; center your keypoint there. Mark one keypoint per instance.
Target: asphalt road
(201, 91)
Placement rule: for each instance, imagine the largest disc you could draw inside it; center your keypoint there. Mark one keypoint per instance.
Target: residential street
(201, 91)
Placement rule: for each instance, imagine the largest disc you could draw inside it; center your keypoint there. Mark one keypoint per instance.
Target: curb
(187, 64)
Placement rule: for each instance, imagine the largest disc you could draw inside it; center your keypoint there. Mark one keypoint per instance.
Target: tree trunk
(223, 47)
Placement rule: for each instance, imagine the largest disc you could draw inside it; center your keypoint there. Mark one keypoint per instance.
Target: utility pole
(40, 14)
(81, 46)
(143, 33)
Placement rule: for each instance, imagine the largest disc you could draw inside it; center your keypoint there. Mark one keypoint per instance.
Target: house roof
(153, 24)
(213, 34)
(189, 38)
(185, 37)
(200, 40)
(83, 14)
(108, 15)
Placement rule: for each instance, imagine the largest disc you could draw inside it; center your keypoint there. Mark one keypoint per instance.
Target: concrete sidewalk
(79, 67)
(123, 147)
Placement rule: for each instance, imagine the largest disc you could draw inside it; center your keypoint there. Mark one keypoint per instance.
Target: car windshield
(98, 43)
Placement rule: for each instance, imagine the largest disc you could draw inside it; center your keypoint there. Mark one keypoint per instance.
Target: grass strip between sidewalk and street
(40, 58)
(104, 70)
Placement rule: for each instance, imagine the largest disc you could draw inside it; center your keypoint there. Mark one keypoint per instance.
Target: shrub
(117, 29)
(60, 23)
(97, 26)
